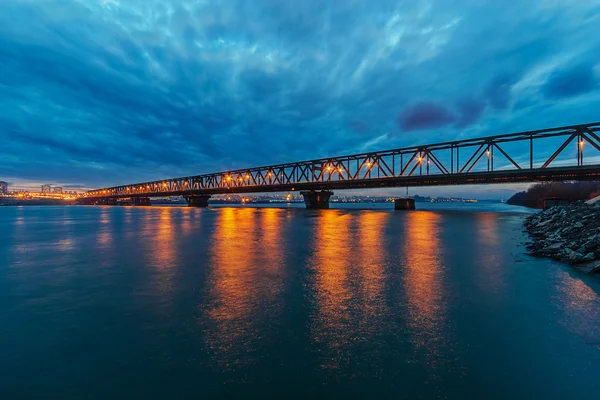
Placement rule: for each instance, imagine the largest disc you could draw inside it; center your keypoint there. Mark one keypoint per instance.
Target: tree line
(534, 196)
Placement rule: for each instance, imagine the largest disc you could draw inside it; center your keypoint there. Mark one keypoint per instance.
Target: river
(177, 302)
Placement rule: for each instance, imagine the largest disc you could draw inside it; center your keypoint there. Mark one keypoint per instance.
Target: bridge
(554, 154)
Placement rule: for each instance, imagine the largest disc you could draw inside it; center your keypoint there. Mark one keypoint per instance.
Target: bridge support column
(317, 200)
(404, 203)
(141, 201)
(198, 200)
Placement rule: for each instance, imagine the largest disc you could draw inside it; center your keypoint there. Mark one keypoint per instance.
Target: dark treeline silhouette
(534, 196)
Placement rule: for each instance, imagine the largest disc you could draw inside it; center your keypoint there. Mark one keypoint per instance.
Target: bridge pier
(404, 203)
(141, 201)
(198, 200)
(317, 200)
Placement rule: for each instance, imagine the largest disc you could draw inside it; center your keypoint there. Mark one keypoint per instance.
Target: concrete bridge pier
(141, 201)
(317, 200)
(198, 200)
(404, 203)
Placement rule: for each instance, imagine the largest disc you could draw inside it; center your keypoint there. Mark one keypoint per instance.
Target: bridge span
(554, 154)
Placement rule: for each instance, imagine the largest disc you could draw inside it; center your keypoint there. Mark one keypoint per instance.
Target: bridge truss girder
(424, 165)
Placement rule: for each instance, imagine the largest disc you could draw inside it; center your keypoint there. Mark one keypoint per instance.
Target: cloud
(570, 82)
(425, 115)
(359, 126)
(470, 110)
(498, 91)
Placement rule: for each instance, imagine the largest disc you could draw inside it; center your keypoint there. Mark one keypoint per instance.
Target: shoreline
(567, 233)
(35, 202)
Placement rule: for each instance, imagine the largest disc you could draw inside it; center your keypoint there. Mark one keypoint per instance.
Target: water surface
(124, 302)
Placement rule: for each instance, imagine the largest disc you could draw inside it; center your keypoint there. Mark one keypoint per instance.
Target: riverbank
(15, 201)
(569, 233)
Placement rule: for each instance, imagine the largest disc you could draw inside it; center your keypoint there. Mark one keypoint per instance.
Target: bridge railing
(515, 151)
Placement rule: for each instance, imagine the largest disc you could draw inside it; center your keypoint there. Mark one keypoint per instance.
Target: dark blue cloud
(571, 82)
(425, 115)
(469, 110)
(101, 92)
(498, 91)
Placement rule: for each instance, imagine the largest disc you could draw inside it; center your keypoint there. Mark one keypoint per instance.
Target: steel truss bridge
(553, 154)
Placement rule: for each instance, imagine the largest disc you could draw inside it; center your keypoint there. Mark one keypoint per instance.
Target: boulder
(575, 257)
(592, 244)
(570, 233)
(555, 246)
(589, 257)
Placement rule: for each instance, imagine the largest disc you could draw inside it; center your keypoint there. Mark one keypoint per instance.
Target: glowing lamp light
(581, 143)
(420, 159)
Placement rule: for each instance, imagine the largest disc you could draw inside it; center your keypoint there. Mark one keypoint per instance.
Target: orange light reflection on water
(371, 262)
(487, 228)
(234, 294)
(331, 323)
(158, 234)
(579, 303)
(423, 277)
(492, 263)
(271, 251)
(104, 236)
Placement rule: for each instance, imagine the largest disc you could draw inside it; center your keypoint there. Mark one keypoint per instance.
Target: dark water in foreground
(173, 302)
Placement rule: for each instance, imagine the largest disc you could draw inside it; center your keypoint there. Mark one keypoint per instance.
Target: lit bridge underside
(554, 154)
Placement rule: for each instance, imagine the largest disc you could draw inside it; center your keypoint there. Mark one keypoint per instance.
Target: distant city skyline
(145, 90)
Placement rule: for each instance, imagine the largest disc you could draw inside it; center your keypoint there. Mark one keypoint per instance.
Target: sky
(97, 93)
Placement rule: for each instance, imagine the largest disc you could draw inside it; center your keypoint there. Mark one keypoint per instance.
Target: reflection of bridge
(492, 159)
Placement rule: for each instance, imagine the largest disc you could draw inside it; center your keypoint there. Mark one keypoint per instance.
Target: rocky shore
(569, 233)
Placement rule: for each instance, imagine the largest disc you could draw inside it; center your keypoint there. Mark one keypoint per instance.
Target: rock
(592, 244)
(570, 233)
(575, 256)
(555, 246)
(589, 257)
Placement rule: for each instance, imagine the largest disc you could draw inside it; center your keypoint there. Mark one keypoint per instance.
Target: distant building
(46, 189)
(57, 189)
(3, 187)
